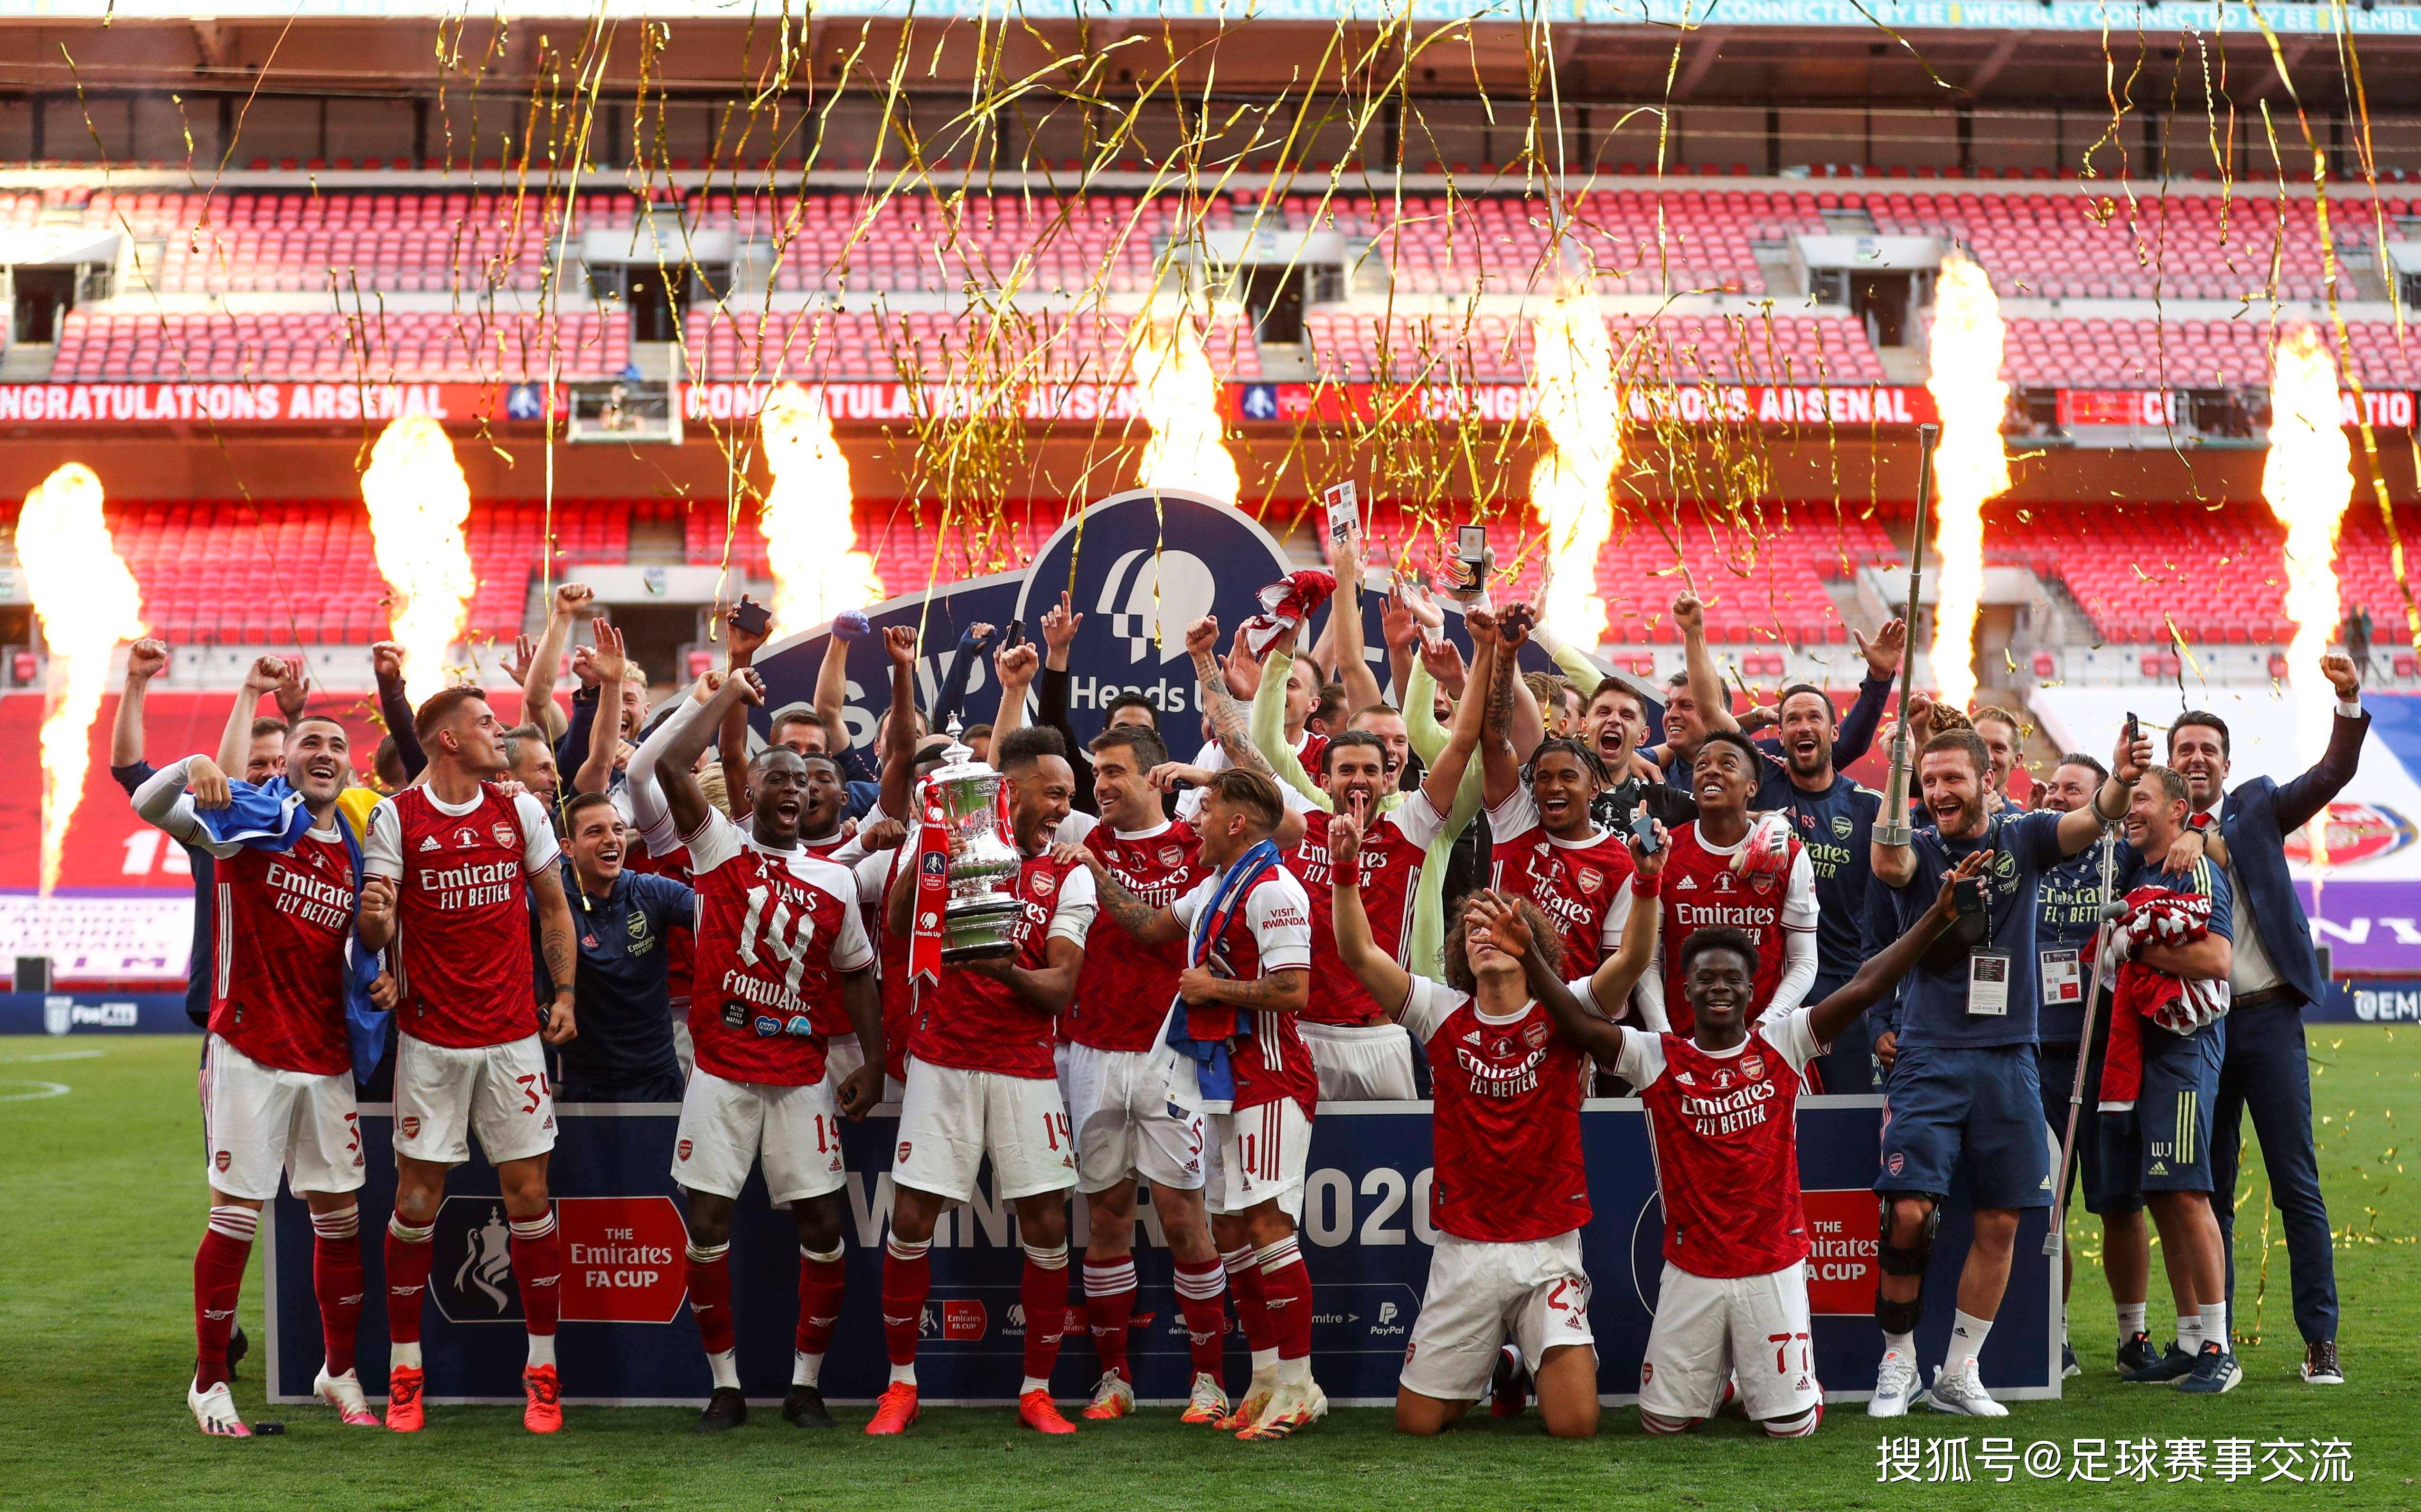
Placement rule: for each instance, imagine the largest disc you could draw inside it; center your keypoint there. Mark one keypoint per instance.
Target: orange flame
(2308, 481)
(1968, 465)
(1178, 395)
(1572, 381)
(810, 530)
(88, 602)
(419, 501)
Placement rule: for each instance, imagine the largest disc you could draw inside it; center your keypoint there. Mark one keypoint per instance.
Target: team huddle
(1488, 882)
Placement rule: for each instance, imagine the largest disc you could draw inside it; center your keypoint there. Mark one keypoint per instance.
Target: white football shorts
(727, 1127)
(1480, 1293)
(257, 1120)
(444, 1096)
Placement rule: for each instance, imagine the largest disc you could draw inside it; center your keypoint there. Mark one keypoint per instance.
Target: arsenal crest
(1045, 884)
(1172, 855)
(1535, 1035)
(503, 834)
(1753, 1066)
(410, 1124)
(1588, 879)
(680, 1151)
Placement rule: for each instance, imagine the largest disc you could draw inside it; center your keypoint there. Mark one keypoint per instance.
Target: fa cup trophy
(979, 913)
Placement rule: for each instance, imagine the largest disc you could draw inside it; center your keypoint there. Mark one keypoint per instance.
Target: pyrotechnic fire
(1571, 376)
(2308, 481)
(88, 602)
(1178, 395)
(810, 533)
(418, 501)
(1969, 466)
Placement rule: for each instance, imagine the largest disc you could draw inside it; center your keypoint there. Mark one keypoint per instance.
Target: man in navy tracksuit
(2275, 972)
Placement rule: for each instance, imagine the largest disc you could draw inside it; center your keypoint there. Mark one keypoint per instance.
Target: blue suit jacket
(2254, 821)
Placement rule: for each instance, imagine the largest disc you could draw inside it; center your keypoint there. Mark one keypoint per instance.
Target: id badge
(1988, 983)
(2063, 979)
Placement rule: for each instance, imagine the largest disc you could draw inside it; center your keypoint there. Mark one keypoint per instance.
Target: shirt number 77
(1781, 1342)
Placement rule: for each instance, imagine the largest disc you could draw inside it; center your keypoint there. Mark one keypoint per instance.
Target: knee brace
(1910, 1260)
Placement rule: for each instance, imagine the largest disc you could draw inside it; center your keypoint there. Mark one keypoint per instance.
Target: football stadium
(1471, 754)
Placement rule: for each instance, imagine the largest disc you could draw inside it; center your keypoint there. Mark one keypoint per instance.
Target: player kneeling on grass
(1722, 1106)
(1511, 1189)
(779, 947)
(278, 1075)
(1246, 929)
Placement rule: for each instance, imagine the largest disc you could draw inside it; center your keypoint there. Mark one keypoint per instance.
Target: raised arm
(650, 814)
(144, 660)
(395, 707)
(1705, 679)
(1615, 975)
(1856, 736)
(1267, 727)
(1379, 974)
(1582, 1029)
(740, 647)
(1443, 783)
(1525, 722)
(1883, 969)
(2081, 827)
(1059, 628)
(2301, 798)
(267, 674)
(572, 602)
(1493, 686)
(1014, 668)
(1345, 629)
(832, 677)
(675, 770)
(596, 772)
(1229, 724)
(973, 643)
(899, 730)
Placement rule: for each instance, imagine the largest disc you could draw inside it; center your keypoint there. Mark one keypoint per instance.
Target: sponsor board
(1367, 1238)
(267, 403)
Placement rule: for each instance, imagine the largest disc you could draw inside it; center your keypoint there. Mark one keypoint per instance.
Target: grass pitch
(103, 1210)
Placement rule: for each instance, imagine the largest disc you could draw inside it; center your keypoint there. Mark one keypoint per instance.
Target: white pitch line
(62, 1055)
(43, 1089)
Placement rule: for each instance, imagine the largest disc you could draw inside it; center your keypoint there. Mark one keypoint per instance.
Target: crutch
(2112, 909)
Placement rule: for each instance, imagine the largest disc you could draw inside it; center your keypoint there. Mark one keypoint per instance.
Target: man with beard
(625, 1051)
(1832, 815)
(780, 950)
(2274, 973)
(278, 1075)
(1362, 1054)
(1963, 1086)
(2069, 917)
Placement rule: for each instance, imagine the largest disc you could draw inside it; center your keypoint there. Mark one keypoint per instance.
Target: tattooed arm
(1148, 925)
(562, 959)
(1280, 992)
(1230, 726)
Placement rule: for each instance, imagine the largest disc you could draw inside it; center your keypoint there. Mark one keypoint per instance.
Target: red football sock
(1202, 1296)
(218, 1278)
(409, 1255)
(536, 1253)
(1109, 1303)
(1043, 1289)
(821, 1281)
(709, 1295)
(907, 1278)
(1252, 1309)
(337, 1280)
(1285, 1286)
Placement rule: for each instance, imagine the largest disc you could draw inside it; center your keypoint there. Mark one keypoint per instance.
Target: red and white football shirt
(1395, 848)
(462, 920)
(874, 873)
(978, 1024)
(1583, 884)
(824, 849)
(775, 933)
(1700, 889)
(1270, 931)
(277, 988)
(1508, 1124)
(1724, 1127)
(1123, 996)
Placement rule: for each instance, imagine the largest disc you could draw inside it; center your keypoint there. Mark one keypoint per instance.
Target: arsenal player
(1511, 1191)
(1722, 1105)
(983, 1080)
(1113, 1072)
(1246, 932)
(1360, 1054)
(453, 867)
(1545, 845)
(277, 1081)
(1724, 870)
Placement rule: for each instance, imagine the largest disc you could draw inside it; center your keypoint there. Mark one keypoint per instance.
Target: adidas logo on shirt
(429, 844)
(1687, 884)
(1471, 1036)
